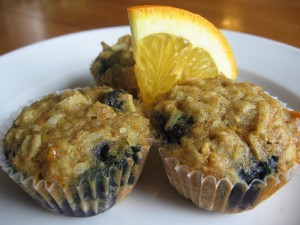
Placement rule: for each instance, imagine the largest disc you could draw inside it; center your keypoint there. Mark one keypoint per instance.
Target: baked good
(227, 145)
(78, 152)
(114, 66)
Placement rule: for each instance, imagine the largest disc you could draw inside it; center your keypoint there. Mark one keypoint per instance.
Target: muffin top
(227, 129)
(61, 136)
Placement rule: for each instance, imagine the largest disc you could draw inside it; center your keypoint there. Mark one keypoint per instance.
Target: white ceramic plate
(63, 62)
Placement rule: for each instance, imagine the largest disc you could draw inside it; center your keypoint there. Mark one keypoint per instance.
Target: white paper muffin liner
(83, 198)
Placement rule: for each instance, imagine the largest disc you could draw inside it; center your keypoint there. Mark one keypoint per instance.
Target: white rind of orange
(178, 22)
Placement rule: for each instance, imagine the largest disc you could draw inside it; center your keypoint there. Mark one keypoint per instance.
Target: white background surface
(63, 62)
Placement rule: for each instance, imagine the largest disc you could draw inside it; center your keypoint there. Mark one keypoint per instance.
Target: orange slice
(171, 45)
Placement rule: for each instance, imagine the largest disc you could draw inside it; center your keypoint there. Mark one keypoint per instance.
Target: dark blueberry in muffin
(179, 128)
(160, 119)
(101, 152)
(106, 63)
(259, 170)
(136, 148)
(114, 100)
(136, 153)
(131, 179)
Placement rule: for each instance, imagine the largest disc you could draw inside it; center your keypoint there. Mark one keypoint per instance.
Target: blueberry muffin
(114, 66)
(227, 146)
(79, 152)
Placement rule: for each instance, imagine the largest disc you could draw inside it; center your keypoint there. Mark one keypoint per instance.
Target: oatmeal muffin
(114, 66)
(227, 145)
(78, 152)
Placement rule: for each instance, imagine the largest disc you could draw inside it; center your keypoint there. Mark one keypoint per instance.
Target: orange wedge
(171, 45)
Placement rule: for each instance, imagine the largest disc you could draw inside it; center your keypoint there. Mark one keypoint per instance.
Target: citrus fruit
(171, 45)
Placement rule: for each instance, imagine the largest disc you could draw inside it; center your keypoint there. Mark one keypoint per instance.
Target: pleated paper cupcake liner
(211, 194)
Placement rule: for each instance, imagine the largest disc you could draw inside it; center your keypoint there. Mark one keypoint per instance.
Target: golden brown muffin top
(227, 129)
(60, 137)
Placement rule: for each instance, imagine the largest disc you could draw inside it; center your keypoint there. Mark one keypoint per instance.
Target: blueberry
(105, 65)
(131, 179)
(113, 100)
(101, 152)
(137, 148)
(259, 170)
(177, 131)
(160, 120)
(109, 61)
(135, 153)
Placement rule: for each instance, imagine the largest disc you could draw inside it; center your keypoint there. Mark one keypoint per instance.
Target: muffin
(114, 66)
(227, 146)
(80, 152)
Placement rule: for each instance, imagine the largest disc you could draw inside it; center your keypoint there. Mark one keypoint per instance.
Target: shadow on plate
(82, 81)
(11, 192)
(154, 186)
